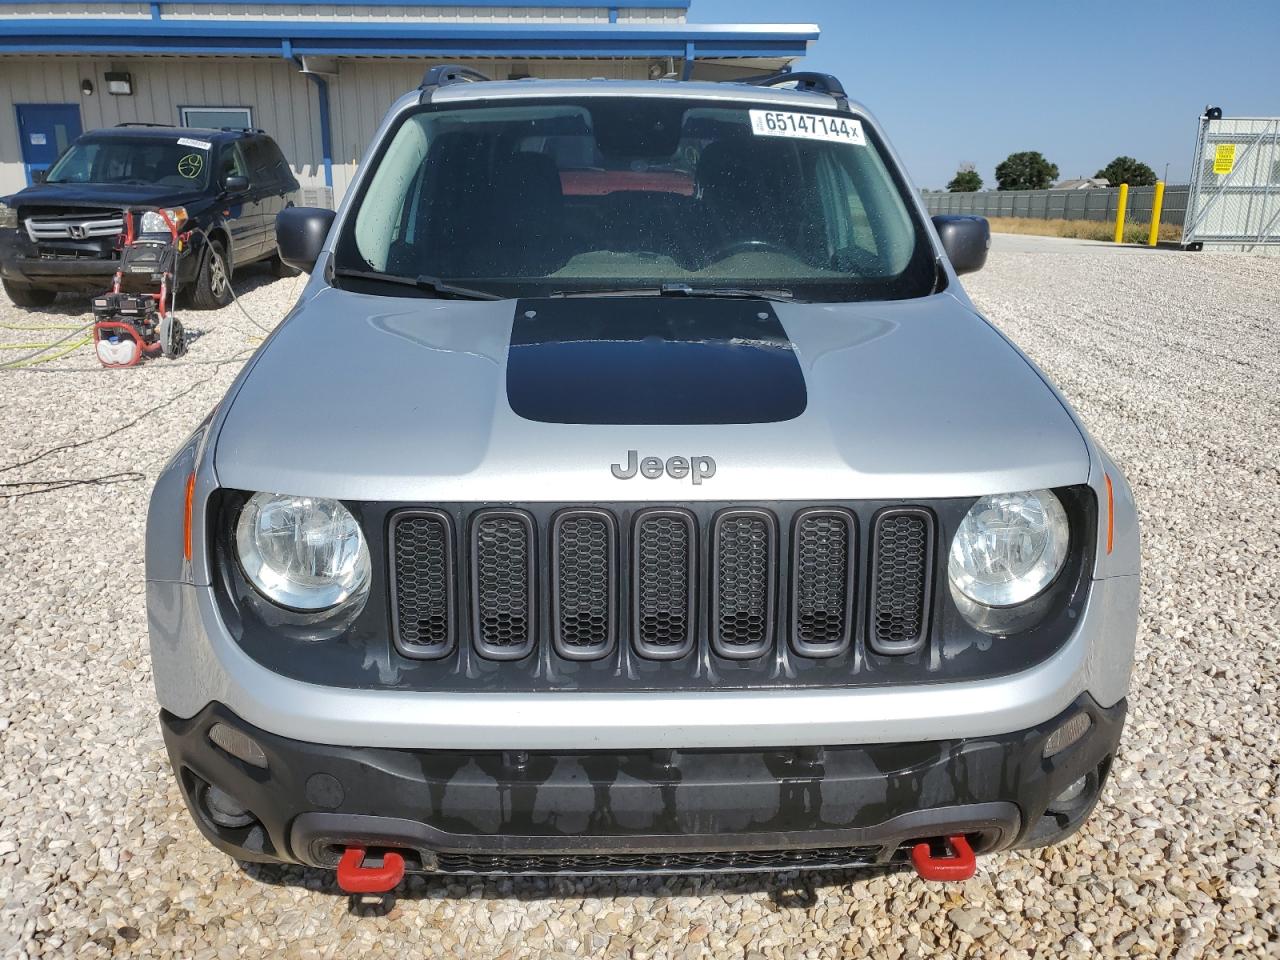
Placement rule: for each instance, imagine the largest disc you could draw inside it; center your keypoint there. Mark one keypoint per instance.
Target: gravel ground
(1172, 359)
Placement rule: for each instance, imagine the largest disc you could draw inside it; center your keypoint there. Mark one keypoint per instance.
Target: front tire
(24, 295)
(213, 282)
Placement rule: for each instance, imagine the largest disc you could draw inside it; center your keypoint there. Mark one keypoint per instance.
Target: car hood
(103, 195)
(366, 397)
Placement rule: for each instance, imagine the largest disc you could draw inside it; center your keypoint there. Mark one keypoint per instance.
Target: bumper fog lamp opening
(1069, 733)
(238, 744)
(1073, 792)
(225, 810)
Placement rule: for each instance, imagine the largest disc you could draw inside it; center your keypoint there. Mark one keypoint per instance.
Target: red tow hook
(959, 865)
(354, 877)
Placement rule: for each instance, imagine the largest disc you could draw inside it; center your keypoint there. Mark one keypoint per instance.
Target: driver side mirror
(300, 235)
(965, 240)
(236, 184)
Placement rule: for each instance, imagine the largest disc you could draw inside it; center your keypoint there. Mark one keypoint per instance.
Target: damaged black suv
(221, 188)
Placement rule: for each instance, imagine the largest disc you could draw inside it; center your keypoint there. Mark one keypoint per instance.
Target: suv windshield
(149, 161)
(597, 194)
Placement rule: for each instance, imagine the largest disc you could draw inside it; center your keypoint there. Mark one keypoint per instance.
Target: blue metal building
(319, 74)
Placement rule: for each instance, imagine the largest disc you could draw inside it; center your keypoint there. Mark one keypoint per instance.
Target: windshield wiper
(680, 290)
(430, 284)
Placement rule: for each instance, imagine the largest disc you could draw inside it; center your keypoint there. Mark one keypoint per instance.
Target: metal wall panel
(65, 11)
(283, 101)
(365, 89)
(435, 13)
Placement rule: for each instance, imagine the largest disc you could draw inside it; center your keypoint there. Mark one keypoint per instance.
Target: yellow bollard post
(1120, 210)
(1157, 206)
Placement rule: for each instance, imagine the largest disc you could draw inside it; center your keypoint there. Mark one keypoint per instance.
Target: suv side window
(230, 163)
(267, 167)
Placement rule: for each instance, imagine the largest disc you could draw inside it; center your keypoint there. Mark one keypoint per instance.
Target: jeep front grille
(901, 557)
(663, 569)
(822, 581)
(422, 589)
(502, 583)
(737, 583)
(746, 547)
(584, 583)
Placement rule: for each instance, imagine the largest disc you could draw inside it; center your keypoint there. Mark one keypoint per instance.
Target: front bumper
(21, 262)
(666, 811)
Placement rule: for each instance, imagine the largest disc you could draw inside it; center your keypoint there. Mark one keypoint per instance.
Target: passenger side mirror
(966, 241)
(236, 184)
(300, 235)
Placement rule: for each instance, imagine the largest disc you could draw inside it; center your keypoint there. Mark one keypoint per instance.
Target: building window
(215, 118)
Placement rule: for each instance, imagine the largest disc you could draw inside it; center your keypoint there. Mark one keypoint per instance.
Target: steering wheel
(746, 246)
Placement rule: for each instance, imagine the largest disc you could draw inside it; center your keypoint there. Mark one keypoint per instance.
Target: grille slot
(744, 565)
(664, 551)
(502, 583)
(584, 583)
(421, 550)
(901, 579)
(717, 861)
(823, 566)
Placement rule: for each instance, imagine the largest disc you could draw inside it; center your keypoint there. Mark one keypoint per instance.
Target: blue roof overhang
(416, 39)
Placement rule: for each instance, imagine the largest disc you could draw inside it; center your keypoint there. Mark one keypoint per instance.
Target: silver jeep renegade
(634, 488)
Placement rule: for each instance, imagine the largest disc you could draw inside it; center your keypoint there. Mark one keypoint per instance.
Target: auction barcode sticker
(806, 126)
(198, 144)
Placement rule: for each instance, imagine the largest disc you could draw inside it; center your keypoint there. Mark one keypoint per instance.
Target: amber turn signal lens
(1111, 514)
(186, 518)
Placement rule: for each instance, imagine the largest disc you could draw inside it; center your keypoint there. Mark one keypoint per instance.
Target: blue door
(45, 130)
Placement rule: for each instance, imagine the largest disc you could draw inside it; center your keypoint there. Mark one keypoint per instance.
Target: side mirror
(236, 184)
(300, 234)
(966, 241)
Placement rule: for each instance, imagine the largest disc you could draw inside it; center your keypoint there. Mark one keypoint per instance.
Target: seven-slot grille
(643, 569)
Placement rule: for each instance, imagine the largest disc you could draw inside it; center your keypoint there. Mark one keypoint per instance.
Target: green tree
(1127, 170)
(966, 180)
(1028, 170)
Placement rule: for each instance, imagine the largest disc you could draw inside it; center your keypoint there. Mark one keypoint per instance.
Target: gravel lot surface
(1172, 359)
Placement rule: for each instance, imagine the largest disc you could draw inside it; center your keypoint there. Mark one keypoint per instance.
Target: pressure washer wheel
(173, 339)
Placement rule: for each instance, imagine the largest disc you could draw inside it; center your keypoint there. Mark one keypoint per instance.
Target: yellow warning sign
(1224, 158)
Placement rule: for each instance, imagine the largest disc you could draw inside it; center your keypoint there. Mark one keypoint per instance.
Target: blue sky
(1082, 82)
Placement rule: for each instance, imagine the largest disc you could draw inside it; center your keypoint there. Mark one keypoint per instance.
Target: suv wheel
(27, 296)
(281, 269)
(213, 283)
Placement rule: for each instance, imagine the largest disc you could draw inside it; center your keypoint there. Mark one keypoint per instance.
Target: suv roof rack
(142, 123)
(242, 130)
(805, 80)
(446, 74)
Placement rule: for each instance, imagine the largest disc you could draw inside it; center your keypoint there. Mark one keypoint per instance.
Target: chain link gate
(1234, 201)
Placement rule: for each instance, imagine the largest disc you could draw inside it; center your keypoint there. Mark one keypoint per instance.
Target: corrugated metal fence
(1097, 204)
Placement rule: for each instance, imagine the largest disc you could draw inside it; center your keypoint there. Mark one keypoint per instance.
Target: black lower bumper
(21, 261)
(638, 811)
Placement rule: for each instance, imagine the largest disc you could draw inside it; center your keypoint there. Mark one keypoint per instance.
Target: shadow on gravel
(791, 889)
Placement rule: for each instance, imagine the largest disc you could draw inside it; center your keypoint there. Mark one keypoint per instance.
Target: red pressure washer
(130, 326)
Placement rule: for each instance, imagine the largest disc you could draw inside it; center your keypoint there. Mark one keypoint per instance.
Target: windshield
(140, 161)
(603, 194)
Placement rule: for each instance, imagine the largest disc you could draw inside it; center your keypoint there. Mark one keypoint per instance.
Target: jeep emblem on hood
(677, 468)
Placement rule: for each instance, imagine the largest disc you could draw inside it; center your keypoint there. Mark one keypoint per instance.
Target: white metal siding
(283, 101)
(378, 13)
(365, 89)
(57, 11)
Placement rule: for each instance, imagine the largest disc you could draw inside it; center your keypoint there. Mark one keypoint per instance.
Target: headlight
(152, 222)
(8, 216)
(1009, 548)
(305, 553)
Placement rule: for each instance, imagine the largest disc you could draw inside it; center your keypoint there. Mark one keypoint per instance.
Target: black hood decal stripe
(652, 360)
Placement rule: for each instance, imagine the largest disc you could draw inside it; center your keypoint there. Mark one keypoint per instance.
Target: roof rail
(447, 73)
(242, 130)
(804, 80)
(142, 123)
